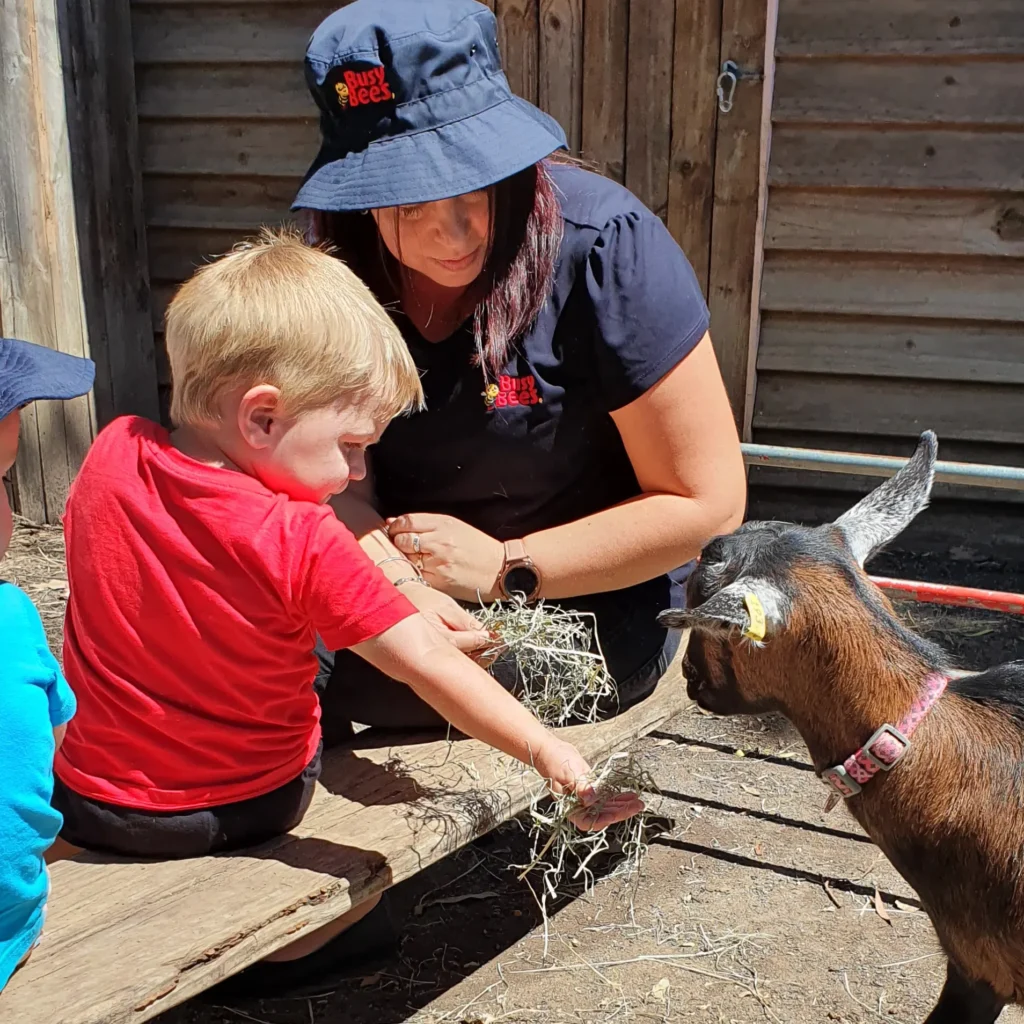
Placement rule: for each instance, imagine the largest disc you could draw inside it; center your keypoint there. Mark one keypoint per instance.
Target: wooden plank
(910, 349)
(695, 62)
(891, 92)
(605, 58)
(174, 253)
(896, 158)
(126, 941)
(276, 149)
(737, 183)
(40, 287)
(518, 26)
(955, 289)
(900, 27)
(891, 222)
(224, 33)
(649, 102)
(231, 203)
(879, 405)
(104, 138)
(245, 91)
(560, 87)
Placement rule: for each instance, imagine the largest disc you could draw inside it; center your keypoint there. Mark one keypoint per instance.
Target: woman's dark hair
(526, 232)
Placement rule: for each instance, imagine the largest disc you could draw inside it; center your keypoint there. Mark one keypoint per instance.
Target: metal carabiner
(726, 87)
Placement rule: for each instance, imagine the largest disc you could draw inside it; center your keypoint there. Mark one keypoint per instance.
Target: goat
(784, 618)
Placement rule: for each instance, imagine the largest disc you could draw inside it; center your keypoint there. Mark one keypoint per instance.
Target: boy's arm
(465, 695)
(58, 736)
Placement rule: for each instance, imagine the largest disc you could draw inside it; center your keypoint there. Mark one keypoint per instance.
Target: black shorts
(107, 828)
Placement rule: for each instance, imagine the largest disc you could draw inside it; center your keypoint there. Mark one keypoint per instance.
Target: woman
(578, 444)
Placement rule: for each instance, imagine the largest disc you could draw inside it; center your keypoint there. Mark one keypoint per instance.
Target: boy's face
(8, 453)
(316, 454)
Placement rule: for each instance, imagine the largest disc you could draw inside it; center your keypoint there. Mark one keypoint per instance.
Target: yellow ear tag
(755, 610)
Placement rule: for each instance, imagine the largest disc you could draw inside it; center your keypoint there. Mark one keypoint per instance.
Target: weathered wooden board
(894, 222)
(174, 253)
(225, 33)
(125, 941)
(987, 93)
(649, 102)
(560, 60)
(695, 63)
(605, 49)
(879, 405)
(976, 288)
(275, 149)
(897, 158)
(900, 28)
(232, 203)
(518, 28)
(247, 91)
(909, 349)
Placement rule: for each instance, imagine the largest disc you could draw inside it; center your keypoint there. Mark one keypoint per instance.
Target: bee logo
(490, 395)
(342, 90)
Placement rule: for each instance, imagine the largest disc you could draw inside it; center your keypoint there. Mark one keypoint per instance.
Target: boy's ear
(259, 413)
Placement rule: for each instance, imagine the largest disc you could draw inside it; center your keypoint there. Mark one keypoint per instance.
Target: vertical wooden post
(40, 289)
(735, 212)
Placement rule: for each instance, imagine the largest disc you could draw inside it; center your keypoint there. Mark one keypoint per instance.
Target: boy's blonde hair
(278, 311)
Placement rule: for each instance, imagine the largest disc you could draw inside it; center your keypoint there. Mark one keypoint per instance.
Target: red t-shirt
(195, 596)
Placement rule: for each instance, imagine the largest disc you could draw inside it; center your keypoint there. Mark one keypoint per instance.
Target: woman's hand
(566, 771)
(452, 555)
(449, 618)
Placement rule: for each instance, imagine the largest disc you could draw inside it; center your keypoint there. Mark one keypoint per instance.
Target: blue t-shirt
(34, 699)
(541, 450)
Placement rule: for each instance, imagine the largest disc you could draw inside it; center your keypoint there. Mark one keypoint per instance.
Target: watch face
(521, 580)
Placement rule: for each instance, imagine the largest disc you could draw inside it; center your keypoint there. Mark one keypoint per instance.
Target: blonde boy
(204, 562)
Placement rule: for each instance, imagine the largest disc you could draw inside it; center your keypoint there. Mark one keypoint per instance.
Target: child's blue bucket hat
(414, 106)
(30, 372)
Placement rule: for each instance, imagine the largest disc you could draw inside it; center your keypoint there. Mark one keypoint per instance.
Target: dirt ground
(751, 906)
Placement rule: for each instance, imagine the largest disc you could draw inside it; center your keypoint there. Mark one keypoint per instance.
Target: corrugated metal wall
(893, 288)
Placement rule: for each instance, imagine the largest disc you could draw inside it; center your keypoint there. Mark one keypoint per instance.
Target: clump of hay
(562, 855)
(560, 676)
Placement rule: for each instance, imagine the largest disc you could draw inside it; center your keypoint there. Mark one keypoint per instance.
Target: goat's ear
(888, 510)
(753, 606)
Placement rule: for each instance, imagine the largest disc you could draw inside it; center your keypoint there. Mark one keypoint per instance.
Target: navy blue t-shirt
(539, 449)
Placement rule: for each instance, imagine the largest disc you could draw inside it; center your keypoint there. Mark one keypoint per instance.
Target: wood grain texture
(224, 33)
(735, 215)
(877, 347)
(649, 102)
(41, 292)
(695, 64)
(897, 158)
(518, 26)
(900, 28)
(104, 139)
(964, 289)
(174, 253)
(126, 941)
(605, 55)
(225, 202)
(986, 93)
(560, 80)
(897, 222)
(878, 405)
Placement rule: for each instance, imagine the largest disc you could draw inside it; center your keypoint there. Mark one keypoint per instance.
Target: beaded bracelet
(411, 579)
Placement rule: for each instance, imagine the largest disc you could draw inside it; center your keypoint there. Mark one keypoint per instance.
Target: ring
(416, 543)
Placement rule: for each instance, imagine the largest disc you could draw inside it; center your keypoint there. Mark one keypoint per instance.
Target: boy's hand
(448, 617)
(564, 767)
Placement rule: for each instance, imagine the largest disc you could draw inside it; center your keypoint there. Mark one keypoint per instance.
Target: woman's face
(447, 240)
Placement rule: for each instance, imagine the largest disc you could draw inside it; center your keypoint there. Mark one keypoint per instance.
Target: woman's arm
(682, 442)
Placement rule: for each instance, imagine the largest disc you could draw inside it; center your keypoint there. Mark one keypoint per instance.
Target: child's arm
(465, 695)
(58, 736)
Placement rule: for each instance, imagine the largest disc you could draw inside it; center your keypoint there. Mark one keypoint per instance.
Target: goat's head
(810, 585)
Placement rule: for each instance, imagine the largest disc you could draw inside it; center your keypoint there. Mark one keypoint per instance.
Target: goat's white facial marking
(729, 609)
(888, 510)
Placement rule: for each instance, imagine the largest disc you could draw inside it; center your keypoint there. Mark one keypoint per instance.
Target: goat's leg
(965, 1002)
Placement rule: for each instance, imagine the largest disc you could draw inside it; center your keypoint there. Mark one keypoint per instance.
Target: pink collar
(886, 747)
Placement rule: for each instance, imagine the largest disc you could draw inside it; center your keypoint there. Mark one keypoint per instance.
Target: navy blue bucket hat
(414, 106)
(30, 372)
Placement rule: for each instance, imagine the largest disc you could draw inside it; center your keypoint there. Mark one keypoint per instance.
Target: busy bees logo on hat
(358, 85)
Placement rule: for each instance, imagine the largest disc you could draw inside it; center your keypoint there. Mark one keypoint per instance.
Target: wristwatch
(518, 573)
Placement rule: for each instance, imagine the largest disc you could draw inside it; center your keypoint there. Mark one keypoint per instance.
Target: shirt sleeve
(348, 599)
(648, 308)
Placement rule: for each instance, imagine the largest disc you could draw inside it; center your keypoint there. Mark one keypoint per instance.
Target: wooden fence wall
(893, 289)
(226, 126)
